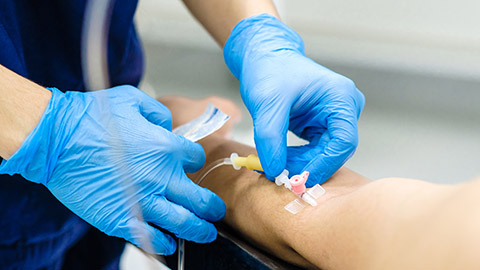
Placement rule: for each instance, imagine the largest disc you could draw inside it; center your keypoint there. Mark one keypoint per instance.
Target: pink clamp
(298, 183)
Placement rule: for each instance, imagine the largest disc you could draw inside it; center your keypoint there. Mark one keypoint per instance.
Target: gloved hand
(111, 158)
(283, 90)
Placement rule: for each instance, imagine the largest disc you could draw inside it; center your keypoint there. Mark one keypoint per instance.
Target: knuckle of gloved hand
(264, 131)
(343, 84)
(124, 93)
(136, 94)
(199, 157)
(360, 100)
(175, 145)
(187, 150)
(185, 224)
(182, 216)
(167, 118)
(124, 229)
(193, 152)
(347, 92)
(129, 89)
(349, 142)
(149, 205)
(346, 83)
(167, 124)
(166, 112)
(205, 205)
(208, 205)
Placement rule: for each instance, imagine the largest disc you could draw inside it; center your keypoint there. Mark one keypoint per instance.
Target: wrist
(262, 34)
(36, 157)
(22, 103)
(24, 123)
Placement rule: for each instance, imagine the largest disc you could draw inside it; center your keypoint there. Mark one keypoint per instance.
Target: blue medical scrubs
(40, 40)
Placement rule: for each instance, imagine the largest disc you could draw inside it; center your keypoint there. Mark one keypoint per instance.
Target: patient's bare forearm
(240, 190)
(22, 103)
(255, 206)
(359, 224)
(219, 17)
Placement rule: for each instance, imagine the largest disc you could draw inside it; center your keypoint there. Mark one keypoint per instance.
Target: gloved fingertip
(214, 209)
(271, 142)
(194, 158)
(273, 160)
(212, 236)
(203, 232)
(149, 238)
(275, 166)
(271, 178)
(199, 200)
(219, 210)
(167, 247)
(167, 124)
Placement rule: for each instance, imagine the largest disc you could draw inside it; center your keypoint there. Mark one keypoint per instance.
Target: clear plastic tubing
(181, 257)
(217, 163)
(210, 121)
(94, 43)
(181, 242)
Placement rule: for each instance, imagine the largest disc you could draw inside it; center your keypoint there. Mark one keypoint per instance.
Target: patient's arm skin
(386, 224)
(255, 205)
(358, 224)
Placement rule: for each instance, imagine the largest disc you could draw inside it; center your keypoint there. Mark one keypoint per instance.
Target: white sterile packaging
(207, 123)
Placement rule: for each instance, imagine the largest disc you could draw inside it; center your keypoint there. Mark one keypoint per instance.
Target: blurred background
(417, 62)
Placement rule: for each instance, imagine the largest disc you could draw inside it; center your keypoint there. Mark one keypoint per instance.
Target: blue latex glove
(109, 156)
(285, 90)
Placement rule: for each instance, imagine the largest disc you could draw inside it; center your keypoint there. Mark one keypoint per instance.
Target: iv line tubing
(217, 163)
(181, 242)
(94, 42)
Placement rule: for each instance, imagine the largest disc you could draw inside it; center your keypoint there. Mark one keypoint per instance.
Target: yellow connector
(251, 162)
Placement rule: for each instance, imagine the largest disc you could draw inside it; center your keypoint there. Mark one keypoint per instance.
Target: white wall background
(417, 62)
(438, 37)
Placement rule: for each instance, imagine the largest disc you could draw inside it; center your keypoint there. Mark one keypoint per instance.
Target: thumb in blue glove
(284, 90)
(111, 158)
